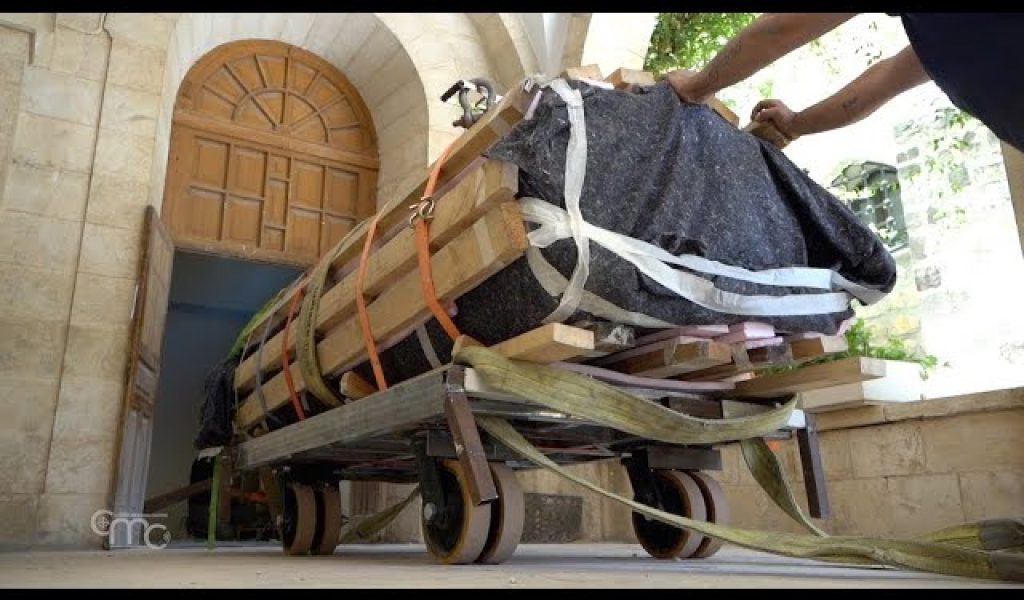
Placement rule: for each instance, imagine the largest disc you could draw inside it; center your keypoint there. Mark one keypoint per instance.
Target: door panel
(142, 379)
(272, 151)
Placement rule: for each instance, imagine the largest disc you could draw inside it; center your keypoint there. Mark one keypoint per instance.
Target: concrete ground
(396, 566)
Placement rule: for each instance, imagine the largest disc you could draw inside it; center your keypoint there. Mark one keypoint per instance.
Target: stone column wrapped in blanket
(679, 177)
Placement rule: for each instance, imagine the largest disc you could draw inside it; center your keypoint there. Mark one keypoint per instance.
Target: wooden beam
(847, 370)
(623, 78)
(809, 348)
(745, 360)
(768, 132)
(485, 187)
(355, 387)
(592, 72)
(467, 148)
(697, 331)
(467, 261)
(547, 344)
(668, 358)
(724, 111)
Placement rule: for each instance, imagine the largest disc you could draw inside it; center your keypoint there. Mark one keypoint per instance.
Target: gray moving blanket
(676, 175)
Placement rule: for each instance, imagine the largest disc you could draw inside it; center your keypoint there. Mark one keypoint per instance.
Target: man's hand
(690, 86)
(779, 115)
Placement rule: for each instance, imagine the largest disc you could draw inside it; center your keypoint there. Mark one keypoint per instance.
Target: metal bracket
(468, 447)
(430, 482)
(470, 113)
(814, 471)
(641, 477)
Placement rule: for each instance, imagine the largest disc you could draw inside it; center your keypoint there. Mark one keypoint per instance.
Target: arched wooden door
(273, 154)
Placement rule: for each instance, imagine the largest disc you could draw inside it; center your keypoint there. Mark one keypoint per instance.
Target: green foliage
(690, 40)
(858, 338)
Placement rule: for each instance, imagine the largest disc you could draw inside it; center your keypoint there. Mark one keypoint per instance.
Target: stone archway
(399, 62)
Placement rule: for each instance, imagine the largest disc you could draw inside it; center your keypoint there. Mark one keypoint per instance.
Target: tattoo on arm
(848, 105)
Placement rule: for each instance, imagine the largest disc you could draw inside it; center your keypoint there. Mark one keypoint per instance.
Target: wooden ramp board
(486, 186)
(467, 148)
(813, 377)
(902, 383)
(467, 261)
(549, 343)
(623, 78)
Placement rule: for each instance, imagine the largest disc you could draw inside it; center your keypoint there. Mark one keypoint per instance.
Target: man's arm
(768, 37)
(877, 85)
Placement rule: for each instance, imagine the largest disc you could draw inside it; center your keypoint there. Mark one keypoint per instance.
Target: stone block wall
(901, 470)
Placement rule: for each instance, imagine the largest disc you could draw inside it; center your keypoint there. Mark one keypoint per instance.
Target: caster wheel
(328, 513)
(508, 514)
(680, 495)
(718, 511)
(298, 522)
(459, 534)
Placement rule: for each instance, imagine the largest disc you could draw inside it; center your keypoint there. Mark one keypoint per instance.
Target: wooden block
(814, 347)
(672, 357)
(592, 72)
(848, 370)
(550, 343)
(719, 107)
(623, 78)
(468, 147)
(487, 186)
(748, 330)
(608, 337)
(467, 261)
(355, 387)
(768, 132)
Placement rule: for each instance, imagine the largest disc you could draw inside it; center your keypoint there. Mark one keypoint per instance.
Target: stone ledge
(865, 416)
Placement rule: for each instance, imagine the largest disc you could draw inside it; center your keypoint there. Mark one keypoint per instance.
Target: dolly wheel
(718, 511)
(680, 495)
(508, 513)
(298, 523)
(458, 535)
(328, 512)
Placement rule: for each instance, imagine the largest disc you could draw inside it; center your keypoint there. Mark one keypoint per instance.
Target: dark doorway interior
(211, 299)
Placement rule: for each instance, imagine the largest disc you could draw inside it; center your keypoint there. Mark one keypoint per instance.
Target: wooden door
(273, 154)
(149, 315)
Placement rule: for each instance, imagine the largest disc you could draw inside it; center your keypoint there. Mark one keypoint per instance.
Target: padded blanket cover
(676, 175)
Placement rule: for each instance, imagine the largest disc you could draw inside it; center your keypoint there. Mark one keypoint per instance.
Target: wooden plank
(467, 148)
(402, 407)
(172, 497)
(692, 459)
(493, 183)
(469, 260)
(623, 78)
(546, 344)
(719, 107)
(848, 370)
(748, 330)
(355, 387)
(745, 360)
(697, 331)
(672, 385)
